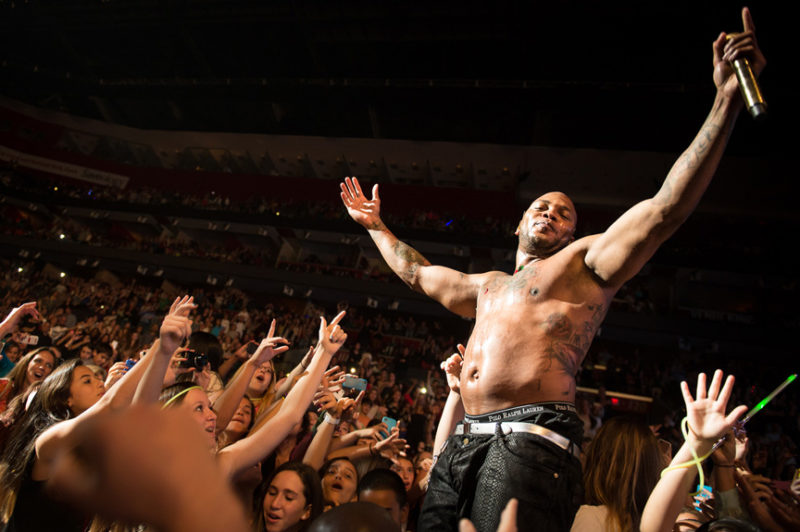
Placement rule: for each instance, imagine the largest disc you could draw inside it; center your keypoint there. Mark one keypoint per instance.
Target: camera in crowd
(194, 360)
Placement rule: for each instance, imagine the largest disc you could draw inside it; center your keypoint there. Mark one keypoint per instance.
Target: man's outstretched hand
(364, 211)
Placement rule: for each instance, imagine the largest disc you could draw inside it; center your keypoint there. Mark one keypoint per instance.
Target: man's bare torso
(532, 330)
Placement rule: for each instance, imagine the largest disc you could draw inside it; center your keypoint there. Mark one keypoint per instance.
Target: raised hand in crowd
(756, 504)
(115, 373)
(452, 369)
(707, 422)
(265, 439)
(175, 328)
(11, 323)
(269, 347)
(391, 446)
(226, 404)
(453, 410)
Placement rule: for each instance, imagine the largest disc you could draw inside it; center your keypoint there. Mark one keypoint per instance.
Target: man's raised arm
(620, 252)
(458, 292)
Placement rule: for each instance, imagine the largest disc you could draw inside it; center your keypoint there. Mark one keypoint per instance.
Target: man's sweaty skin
(533, 328)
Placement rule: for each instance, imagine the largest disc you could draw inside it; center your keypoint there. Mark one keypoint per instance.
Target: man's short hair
(384, 479)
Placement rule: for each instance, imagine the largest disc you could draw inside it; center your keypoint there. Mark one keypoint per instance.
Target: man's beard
(536, 245)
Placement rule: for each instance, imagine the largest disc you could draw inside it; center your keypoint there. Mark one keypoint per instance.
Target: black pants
(476, 475)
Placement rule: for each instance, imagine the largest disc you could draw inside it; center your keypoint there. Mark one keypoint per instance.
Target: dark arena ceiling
(621, 75)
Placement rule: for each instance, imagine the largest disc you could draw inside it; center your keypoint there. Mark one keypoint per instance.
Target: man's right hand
(364, 211)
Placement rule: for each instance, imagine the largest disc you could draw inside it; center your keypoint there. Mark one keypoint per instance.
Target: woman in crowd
(339, 481)
(69, 397)
(239, 425)
(622, 466)
(70, 391)
(9, 355)
(292, 499)
(261, 389)
(30, 369)
(404, 468)
(263, 440)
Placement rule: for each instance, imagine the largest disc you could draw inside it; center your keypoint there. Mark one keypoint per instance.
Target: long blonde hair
(263, 402)
(622, 467)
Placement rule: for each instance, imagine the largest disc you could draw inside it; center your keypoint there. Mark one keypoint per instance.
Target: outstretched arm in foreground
(618, 254)
(147, 465)
(61, 437)
(457, 291)
(707, 423)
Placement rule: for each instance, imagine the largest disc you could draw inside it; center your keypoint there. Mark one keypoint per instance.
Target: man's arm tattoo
(688, 163)
(412, 259)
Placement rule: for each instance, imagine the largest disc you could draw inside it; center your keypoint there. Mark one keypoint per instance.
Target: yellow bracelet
(697, 460)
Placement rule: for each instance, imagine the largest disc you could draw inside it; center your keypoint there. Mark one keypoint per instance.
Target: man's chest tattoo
(568, 340)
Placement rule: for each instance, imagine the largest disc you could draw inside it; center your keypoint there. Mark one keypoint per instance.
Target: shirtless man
(533, 328)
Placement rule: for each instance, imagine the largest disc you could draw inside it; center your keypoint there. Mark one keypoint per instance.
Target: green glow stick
(756, 409)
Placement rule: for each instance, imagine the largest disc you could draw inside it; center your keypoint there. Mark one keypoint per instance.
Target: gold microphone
(748, 86)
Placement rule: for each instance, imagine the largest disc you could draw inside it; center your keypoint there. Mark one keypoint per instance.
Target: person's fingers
(465, 525)
(461, 349)
(174, 305)
(725, 394)
(190, 305)
(744, 484)
(322, 326)
(733, 40)
(375, 196)
(716, 382)
(735, 414)
(508, 519)
(701, 386)
(271, 332)
(351, 188)
(740, 42)
(747, 20)
(687, 396)
(357, 186)
(735, 54)
(719, 48)
(338, 318)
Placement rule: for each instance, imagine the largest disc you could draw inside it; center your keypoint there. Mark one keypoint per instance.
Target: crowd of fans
(295, 434)
(650, 293)
(453, 223)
